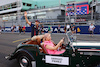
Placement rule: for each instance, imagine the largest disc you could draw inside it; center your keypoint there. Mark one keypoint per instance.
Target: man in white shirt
(12, 28)
(17, 28)
(68, 27)
(91, 29)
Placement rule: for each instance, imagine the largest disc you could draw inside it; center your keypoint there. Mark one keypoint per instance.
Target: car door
(54, 60)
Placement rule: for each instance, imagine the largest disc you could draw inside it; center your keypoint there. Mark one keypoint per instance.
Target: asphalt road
(7, 46)
(9, 41)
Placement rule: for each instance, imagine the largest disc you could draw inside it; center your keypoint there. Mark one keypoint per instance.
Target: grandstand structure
(46, 11)
(95, 11)
(81, 14)
(75, 12)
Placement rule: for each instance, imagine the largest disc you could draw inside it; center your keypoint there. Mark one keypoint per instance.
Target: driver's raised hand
(27, 21)
(62, 39)
(25, 13)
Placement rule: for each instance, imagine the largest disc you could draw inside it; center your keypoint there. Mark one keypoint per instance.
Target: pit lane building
(12, 11)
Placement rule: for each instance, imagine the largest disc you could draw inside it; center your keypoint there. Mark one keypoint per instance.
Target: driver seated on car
(50, 47)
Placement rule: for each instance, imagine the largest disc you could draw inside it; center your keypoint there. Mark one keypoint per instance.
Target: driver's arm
(55, 47)
(25, 14)
(34, 38)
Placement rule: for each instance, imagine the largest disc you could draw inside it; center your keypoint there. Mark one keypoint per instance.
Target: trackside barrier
(84, 29)
(79, 29)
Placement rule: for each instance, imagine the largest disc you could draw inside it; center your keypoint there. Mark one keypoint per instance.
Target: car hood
(86, 43)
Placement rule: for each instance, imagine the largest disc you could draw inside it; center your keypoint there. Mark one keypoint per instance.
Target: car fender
(20, 51)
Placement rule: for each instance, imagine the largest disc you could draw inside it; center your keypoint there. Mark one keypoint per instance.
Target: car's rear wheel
(24, 60)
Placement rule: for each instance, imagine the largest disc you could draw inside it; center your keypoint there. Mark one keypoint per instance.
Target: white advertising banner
(57, 60)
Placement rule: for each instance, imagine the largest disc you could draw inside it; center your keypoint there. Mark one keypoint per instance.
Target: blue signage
(54, 29)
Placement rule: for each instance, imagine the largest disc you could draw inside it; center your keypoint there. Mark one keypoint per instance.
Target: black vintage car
(77, 54)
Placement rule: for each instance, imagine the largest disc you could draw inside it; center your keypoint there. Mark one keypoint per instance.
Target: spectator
(91, 29)
(12, 28)
(24, 29)
(73, 28)
(20, 29)
(65, 28)
(3, 28)
(68, 27)
(17, 28)
(49, 29)
(34, 27)
(59, 28)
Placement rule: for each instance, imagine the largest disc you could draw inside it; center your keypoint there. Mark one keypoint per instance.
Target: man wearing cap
(34, 27)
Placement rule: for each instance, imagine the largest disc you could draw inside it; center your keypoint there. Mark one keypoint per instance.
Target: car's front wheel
(24, 60)
(97, 65)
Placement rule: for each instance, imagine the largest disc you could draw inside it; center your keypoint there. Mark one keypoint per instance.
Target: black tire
(97, 65)
(24, 60)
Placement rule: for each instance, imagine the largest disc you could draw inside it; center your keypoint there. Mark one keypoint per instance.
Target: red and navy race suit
(34, 30)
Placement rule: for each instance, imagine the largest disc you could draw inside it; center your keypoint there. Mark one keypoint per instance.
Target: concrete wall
(3, 2)
(53, 14)
(79, 29)
(98, 9)
(1, 22)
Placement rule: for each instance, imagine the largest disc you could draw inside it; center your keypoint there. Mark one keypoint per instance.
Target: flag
(81, 8)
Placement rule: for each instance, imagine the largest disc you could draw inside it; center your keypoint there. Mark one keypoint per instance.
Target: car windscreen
(70, 36)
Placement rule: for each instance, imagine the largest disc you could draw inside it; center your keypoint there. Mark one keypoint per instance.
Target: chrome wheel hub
(24, 62)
